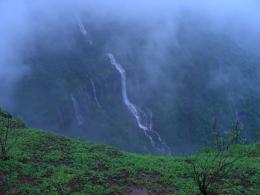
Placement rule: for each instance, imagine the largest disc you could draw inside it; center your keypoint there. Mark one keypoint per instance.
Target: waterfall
(76, 110)
(95, 93)
(83, 29)
(141, 117)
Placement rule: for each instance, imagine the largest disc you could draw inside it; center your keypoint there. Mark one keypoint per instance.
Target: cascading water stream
(95, 93)
(76, 110)
(233, 107)
(141, 118)
(83, 29)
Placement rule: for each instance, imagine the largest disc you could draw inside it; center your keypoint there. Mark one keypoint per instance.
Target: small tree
(6, 126)
(210, 174)
(234, 135)
(218, 142)
(223, 143)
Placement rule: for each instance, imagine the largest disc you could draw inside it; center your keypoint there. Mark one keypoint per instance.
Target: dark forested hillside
(159, 90)
(72, 88)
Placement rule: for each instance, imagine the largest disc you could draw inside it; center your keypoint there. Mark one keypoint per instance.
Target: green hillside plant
(6, 126)
(210, 174)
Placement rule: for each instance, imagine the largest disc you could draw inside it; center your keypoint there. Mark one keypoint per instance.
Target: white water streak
(95, 93)
(141, 118)
(76, 110)
(83, 29)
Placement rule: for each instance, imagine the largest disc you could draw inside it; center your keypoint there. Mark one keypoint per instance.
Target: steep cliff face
(177, 85)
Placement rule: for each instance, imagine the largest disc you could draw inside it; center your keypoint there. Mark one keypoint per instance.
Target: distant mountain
(178, 82)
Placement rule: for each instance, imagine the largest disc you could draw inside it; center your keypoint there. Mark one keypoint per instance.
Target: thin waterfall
(83, 29)
(151, 120)
(76, 110)
(95, 93)
(233, 106)
(141, 117)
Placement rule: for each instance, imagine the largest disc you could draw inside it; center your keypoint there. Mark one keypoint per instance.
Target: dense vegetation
(45, 163)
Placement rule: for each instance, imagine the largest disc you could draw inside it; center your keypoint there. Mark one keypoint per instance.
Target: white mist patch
(76, 110)
(141, 117)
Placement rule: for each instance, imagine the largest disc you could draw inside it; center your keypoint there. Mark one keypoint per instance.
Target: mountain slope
(44, 163)
(74, 89)
(180, 75)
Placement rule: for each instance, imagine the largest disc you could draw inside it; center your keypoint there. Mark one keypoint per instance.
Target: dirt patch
(121, 179)
(39, 161)
(111, 152)
(60, 162)
(139, 191)
(26, 179)
(76, 184)
(131, 184)
(95, 180)
(114, 153)
(24, 161)
(189, 161)
(50, 143)
(100, 166)
(156, 182)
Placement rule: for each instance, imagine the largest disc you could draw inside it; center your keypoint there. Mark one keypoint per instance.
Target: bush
(222, 143)
(210, 175)
(5, 128)
(7, 125)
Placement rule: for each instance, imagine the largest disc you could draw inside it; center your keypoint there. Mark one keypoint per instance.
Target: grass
(44, 163)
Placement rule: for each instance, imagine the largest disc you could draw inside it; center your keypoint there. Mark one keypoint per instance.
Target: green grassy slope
(43, 163)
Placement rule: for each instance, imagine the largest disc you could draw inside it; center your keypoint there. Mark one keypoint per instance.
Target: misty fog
(155, 41)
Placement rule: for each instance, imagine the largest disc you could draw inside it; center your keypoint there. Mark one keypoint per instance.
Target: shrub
(210, 175)
(7, 125)
(222, 143)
